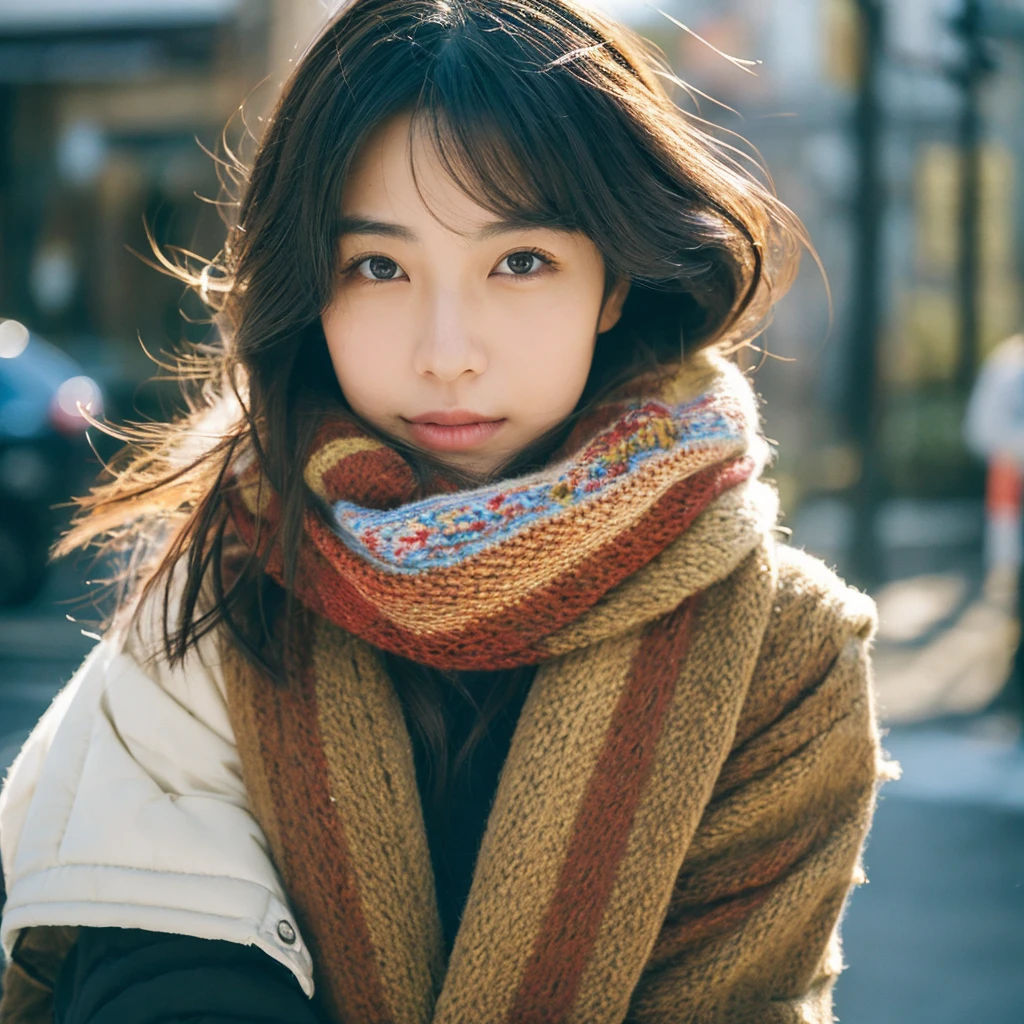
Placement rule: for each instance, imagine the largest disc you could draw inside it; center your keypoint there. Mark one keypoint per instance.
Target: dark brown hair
(543, 110)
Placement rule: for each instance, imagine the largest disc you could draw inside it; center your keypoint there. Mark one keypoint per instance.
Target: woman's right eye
(379, 268)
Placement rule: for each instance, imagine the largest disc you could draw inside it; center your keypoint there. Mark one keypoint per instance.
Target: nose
(447, 347)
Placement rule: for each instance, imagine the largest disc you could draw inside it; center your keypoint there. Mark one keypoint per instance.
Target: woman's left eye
(524, 263)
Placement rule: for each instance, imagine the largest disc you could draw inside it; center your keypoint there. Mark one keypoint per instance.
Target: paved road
(937, 937)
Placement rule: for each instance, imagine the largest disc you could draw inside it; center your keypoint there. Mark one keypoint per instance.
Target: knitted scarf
(497, 577)
(638, 570)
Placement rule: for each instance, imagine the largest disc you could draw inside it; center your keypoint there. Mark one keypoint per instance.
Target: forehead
(397, 175)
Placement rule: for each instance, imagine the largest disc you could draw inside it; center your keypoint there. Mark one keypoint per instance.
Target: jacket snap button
(285, 932)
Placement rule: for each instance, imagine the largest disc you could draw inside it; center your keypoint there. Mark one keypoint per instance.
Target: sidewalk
(937, 937)
(945, 644)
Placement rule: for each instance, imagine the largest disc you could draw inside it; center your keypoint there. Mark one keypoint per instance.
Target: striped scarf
(639, 572)
(498, 576)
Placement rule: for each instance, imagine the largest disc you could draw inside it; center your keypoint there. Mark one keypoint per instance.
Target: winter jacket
(126, 807)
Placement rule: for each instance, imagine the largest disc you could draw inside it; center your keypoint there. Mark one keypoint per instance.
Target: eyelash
(350, 268)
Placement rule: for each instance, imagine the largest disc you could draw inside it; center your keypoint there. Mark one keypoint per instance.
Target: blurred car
(44, 453)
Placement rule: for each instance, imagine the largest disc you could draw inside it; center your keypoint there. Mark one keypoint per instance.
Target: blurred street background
(895, 128)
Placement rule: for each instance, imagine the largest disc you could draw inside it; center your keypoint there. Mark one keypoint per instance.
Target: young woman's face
(467, 336)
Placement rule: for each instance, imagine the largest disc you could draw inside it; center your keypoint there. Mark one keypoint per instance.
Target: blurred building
(104, 109)
(797, 110)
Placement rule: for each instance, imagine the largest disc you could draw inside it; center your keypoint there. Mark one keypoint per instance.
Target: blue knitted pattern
(445, 530)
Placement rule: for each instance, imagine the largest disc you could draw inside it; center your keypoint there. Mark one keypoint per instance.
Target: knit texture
(691, 778)
(484, 579)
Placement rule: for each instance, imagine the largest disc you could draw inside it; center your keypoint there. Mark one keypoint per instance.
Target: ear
(612, 308)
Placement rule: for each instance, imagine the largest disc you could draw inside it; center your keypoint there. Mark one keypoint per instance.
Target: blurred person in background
(471, 472)
(994, 430)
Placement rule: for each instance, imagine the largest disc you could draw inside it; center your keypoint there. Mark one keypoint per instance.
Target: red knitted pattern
(460, 594)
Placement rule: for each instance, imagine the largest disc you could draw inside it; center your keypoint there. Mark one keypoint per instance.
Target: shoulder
(128, 723)
(127, 806)
(814, 606)
(815, 649)
(140, 634)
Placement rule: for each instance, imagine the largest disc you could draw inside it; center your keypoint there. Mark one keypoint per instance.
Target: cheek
(357, 343)
(548, 348)
(356, 361)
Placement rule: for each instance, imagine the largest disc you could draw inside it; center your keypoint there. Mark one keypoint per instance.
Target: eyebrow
(363, 226)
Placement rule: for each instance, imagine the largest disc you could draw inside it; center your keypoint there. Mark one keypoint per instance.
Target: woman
(460, 676)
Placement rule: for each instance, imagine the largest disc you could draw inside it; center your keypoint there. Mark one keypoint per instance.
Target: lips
(453, 418)
(453, 429)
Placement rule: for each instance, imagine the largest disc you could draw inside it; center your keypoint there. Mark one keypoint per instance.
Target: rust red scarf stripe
(313, 857)
(515, 637)
(555, 969)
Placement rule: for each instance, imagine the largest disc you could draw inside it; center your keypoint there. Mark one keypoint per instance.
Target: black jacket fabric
(455, 828)
(126, 976)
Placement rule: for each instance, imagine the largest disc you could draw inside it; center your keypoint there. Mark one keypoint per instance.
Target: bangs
(540, 112)
(496, 136)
